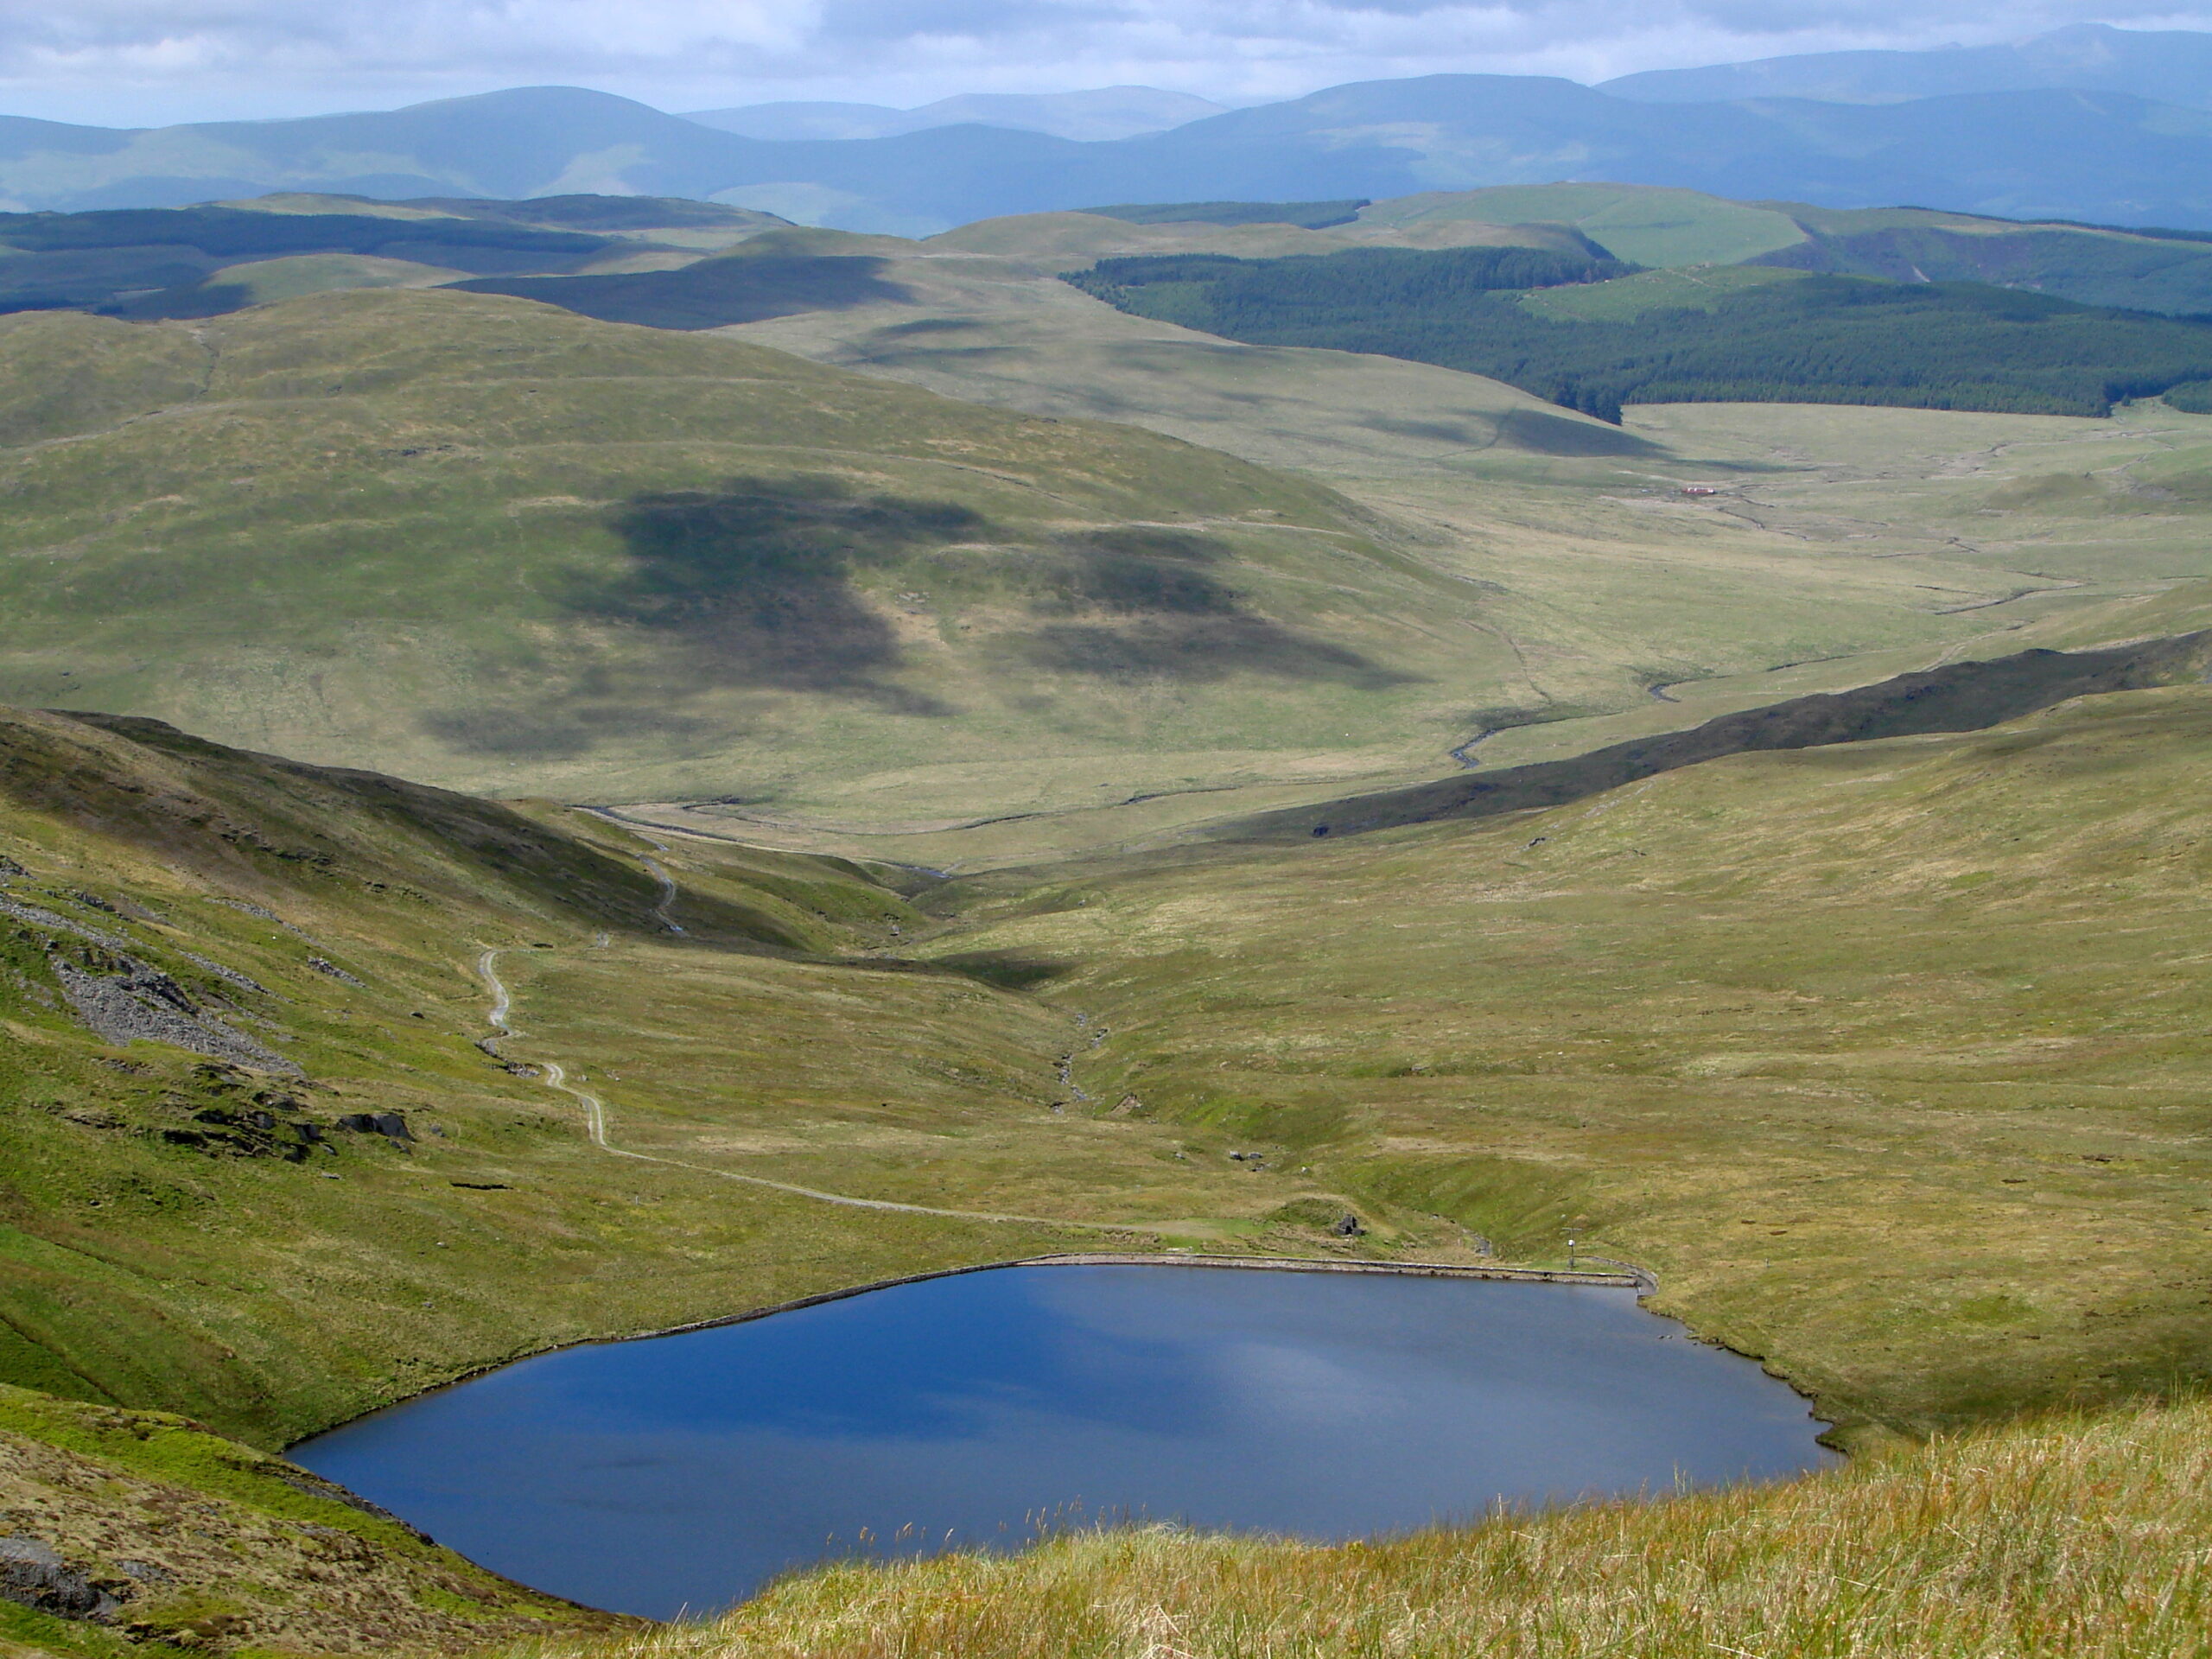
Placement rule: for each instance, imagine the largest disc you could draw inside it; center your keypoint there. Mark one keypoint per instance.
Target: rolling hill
(267, 1165)
(2140, 271)
(196, 261)
(487, 541)
(625, 254)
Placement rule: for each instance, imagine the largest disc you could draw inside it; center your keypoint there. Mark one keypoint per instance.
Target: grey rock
(33, 1576)
(140, 1005)
(228, 975)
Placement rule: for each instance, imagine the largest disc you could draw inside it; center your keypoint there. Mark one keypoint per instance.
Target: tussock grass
(2072, 1536)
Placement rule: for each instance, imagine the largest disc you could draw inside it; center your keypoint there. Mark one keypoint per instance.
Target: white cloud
(137, 62)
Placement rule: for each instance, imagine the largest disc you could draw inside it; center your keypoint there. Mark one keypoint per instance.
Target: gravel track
(595, 1113)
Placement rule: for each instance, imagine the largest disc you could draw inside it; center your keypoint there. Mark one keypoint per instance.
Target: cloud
(137, 62)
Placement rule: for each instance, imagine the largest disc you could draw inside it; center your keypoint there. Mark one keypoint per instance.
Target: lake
(680, 1472)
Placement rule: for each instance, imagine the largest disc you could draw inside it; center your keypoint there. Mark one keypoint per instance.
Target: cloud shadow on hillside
(749, 585)
(713, 294)
(1143, 604)
(755, 582)
(756, 585)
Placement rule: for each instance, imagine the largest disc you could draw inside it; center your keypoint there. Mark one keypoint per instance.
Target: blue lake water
(682, 1471)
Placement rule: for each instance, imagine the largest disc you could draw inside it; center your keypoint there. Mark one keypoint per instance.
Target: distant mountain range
(1104, 113)
(2168, 66)
(2107, 154)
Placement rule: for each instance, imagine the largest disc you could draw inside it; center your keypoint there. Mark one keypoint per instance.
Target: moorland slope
(482, 541)
(1885, 1055)
(266, 1165)
(492, 545)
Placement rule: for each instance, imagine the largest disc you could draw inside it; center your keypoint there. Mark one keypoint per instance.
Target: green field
(490, 544)
(1647, 223)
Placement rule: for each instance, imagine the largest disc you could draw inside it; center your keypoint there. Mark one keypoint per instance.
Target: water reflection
(682, 1472)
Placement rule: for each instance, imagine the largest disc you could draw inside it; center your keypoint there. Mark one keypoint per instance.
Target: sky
(149, 62)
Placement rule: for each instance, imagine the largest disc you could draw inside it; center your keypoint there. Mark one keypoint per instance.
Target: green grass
(220, 256)
(264, 281)
(1820, 339)
(2144, 272)
(1650, 224)
(437, 568)
(155, 1254)
(1699, 288)
(1886, 1057)
(452, 536)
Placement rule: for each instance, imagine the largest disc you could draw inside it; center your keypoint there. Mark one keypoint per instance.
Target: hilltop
(2043, 150)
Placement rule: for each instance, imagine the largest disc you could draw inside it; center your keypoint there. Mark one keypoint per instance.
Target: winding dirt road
(595, 1110)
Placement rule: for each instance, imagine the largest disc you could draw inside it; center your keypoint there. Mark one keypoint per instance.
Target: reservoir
(681, 1473)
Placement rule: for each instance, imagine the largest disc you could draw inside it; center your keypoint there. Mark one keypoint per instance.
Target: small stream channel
(680, 1472)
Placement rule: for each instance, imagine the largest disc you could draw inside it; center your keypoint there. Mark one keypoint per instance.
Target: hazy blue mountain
(2105, 156)
(2170, 66)
(1104, 113)
(528, 142)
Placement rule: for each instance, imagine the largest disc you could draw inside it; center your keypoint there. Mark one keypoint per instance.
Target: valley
(733, 759)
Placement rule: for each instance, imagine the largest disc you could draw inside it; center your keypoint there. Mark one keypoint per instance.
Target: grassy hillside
(1816, 340)
(1846, 544)
(1643, 224)
(484, 541)
(2142, 270)
(2076, 1535)
(261, 1170)
(1312, 215)
(1887, 1057)
(491, 544)
(2137, 269)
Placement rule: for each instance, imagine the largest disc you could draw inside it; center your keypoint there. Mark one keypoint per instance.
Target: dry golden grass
(2076, 1536)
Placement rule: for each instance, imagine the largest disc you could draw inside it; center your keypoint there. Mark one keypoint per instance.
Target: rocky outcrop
(32, 1573)
(125, 1000)
(137, 1004)
(163, 1532)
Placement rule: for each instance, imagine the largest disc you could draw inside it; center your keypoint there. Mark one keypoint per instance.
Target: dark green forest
(1818, 338)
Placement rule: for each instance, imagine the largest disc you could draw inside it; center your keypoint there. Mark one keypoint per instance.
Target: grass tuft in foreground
(2077, 1536)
